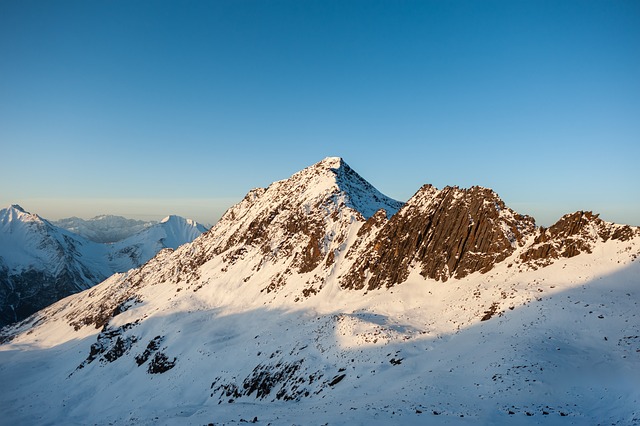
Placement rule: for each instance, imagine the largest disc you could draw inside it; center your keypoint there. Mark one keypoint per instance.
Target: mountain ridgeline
(341, 305)
(104, 228)
(327, 213)
(326, 224)
(41, 263)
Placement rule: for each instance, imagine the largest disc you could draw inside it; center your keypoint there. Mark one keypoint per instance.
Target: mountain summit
(353, 190)
(298, 223)
(320, 298)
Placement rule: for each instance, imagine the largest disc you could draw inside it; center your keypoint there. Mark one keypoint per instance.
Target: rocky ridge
(326, 224)
(317, 285)
(573, 234)
(300, 225)
(446, 233)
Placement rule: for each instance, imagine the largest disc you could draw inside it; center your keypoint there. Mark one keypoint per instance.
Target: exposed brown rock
(379, 218)
(623, 233)
(573, 234)
(448, 233)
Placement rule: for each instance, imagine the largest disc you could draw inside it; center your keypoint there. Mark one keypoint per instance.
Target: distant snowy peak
(14, 213)
(41, 263)
(180, 221)
(15, 208)
(172, 232)
(27, 240)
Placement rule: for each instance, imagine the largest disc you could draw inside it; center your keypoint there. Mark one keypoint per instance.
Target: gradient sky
(146, 108)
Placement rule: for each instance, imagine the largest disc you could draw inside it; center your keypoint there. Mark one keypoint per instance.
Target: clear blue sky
(145, 108)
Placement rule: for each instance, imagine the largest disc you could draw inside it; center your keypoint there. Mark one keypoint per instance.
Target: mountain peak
(183, 222)
(17, 207)
(331, 163)
(170, 218)
(335, 178)
(16, 213)
(302, 221)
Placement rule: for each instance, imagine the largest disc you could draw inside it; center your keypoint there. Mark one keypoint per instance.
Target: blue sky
(147, 108)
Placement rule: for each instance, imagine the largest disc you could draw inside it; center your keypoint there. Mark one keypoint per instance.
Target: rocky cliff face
(447, 233)
(573, 234)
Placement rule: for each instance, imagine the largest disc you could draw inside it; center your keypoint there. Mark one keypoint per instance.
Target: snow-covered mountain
(171, 232)
(104, 228)
(41, 263)
(319, 300)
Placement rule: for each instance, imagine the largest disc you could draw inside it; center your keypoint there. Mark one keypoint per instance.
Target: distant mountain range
(319, 300)
(41, 263)
(104, 228)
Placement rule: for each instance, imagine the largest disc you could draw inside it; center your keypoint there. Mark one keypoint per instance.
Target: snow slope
(41, 263)
(245, 323)
(171, 232)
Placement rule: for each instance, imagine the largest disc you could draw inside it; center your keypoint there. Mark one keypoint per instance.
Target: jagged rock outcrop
(573, 234)
(447, 233)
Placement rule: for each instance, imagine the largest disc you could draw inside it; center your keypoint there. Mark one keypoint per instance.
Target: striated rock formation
(447, 233)
(573, 234)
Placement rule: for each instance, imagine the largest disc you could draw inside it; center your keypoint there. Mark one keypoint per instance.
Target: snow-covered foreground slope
(563, 342)
(254, 321)
(41, 263)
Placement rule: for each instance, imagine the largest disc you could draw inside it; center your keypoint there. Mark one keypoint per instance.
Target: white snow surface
(561, 346)
(172, 232)
(40, 262)
(28, 241)
(333, 175)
